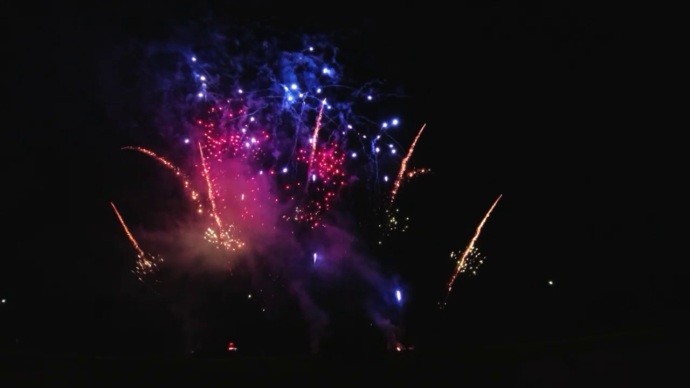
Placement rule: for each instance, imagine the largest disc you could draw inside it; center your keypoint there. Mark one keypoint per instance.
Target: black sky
(557, 107)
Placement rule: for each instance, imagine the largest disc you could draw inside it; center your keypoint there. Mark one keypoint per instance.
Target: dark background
(561, 108)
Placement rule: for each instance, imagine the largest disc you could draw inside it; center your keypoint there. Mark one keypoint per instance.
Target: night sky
(553, 106)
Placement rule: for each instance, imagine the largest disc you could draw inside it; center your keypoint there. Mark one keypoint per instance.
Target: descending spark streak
(470, 247)
(129, 234)
(403, 165)
(211, 196)
(146, 264)
(185, 180)
(314, 137)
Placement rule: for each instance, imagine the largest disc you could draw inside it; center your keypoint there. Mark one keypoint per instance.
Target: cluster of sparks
(472, 260)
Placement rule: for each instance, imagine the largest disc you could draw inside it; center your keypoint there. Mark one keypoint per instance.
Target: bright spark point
(186, 141)
(398, 295)
(551, 282)
(3, 301)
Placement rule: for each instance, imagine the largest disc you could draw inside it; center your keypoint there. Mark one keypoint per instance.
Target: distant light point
(551, 282)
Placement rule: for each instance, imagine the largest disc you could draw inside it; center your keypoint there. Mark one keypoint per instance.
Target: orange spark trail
(185, 180)
(152, 154)
(313, 143)
(129, 235)
(211, 196)
(146, 265)
(403, 165)
(470, 246)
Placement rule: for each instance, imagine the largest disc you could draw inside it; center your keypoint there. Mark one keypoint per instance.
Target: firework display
(266, 131)
(266, 142)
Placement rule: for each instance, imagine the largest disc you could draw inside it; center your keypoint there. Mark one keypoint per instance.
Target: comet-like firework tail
(146, 264)
(129, 234)
(470, 247)
(211, 195)
(403, 165)
(314, 138)
(222, 237)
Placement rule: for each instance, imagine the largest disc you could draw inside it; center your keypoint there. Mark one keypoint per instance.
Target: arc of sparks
(403, 165)
(314, 137)
(470, 246)
(186, 182)
(154, 155)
